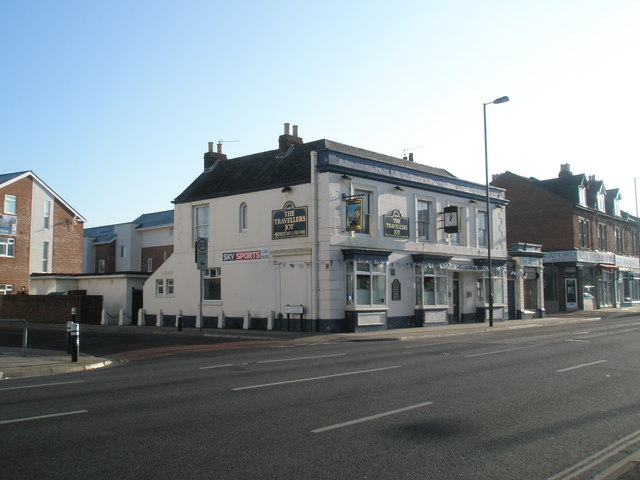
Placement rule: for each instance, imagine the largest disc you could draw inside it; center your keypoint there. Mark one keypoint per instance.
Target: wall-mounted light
(472, 201)
(286, 188)
(399, 188)
(499, 206)
(346, 177)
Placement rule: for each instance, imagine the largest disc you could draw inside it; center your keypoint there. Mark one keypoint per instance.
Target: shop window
(431, 285)
(212, 284)
(7, 247)
(368, 280)
(496, 283)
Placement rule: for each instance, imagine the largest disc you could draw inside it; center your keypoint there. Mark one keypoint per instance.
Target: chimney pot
(286, 129)
(210, 147)
(219, 147)
(411, 156)
(295, 130)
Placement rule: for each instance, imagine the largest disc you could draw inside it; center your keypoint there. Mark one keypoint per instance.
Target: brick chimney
(565, 170)
(286, 140)
(211, 157)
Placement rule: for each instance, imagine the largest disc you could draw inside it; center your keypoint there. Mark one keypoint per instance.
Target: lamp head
(501, 100)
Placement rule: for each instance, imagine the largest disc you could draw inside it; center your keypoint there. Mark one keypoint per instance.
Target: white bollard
(245, 321)
(160, 319)
(270, 319)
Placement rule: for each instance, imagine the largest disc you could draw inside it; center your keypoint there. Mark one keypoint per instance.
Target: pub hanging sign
(289, 222)
(395, 225)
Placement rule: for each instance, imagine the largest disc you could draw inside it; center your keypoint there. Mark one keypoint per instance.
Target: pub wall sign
(289, 222)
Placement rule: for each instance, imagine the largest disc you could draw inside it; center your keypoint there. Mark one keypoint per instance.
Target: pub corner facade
(325, 237)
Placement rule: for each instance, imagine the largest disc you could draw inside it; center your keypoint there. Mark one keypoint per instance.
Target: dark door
(456, 300)
(511, 298)
(136, 304)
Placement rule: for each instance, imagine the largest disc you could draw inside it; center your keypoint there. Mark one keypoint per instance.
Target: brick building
(138, 246)
(591, 246)
(39, 232)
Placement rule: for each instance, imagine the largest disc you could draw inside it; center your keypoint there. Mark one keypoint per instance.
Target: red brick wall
(158, 254)
(15, 270)
(535, 215)
(52, 308)
(67, 242)
(106, 252)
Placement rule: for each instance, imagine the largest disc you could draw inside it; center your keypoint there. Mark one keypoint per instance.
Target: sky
(112, 104)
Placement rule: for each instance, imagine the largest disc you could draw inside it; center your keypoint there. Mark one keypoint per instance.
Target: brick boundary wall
(52, 308)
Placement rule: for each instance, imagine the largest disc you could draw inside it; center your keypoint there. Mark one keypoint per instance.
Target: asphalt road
(554, 402)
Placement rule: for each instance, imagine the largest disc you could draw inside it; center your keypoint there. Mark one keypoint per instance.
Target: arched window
(243, 217)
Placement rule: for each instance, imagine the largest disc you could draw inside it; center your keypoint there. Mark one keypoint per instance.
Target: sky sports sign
(245, 256)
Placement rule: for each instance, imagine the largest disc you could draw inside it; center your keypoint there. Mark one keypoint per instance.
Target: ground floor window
(6, 289)
(212, 284)
(431, 285)
(530, 286)
(366, 283)
(496, 284)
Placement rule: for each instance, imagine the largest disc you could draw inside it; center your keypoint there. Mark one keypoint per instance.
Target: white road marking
(574, 471)
(310, 379)
(503, 351)
(42, 417)
(577, 340)
(424, 345)
(301, 358)
(41, 385)
(216, 366)
(580, 366)
(372, 417)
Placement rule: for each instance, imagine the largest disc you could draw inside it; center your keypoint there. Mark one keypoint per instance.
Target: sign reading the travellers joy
(396, 225)
(289, 222)
(261, 255)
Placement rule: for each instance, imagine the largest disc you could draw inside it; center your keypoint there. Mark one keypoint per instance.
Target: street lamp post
(637, 245)
(489, 213)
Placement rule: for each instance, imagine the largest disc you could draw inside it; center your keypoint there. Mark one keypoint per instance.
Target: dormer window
(582, 195)
(615, 205)
(601, 201)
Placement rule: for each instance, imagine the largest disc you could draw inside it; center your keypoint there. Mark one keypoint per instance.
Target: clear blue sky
(112, 103)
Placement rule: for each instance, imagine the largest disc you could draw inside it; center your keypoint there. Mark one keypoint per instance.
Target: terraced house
(322, 236)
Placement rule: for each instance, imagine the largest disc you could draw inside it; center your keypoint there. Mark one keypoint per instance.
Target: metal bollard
(75, 340)
(69, 323)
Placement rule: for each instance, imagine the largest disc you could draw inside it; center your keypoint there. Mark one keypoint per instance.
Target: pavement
(38, 362)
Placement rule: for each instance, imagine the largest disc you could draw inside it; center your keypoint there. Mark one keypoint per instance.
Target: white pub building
(325, 237)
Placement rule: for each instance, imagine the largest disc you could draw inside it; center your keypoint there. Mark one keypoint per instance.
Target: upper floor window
(583, 233)
(200, 222)
(454, 238)
(619, 245)
(7, 247)
(160, 286)
(45, 256)
(47, 214)
(150, 264)
(601, 206)
(169, 284)
(10, 204)
(582, 195)
(424, 220)
(123, 251)
(482, 229)
(616, 205)
(243, 217)
(102, 266)
(602, 237)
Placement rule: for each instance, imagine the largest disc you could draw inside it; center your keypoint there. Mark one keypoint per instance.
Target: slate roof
(104, 234)
(273, 169)
(566, 186)
(155, 219)
(5, 177)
